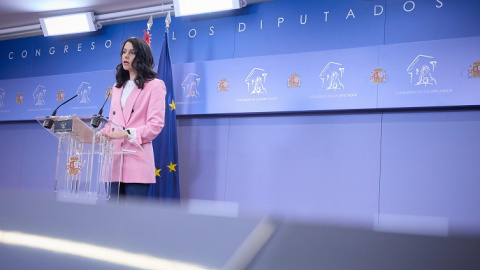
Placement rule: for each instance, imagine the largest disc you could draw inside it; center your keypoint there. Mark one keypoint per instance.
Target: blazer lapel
(127, 110)
(118, 118)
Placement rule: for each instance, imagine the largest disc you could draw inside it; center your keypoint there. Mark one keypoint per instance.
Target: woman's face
(128, 55)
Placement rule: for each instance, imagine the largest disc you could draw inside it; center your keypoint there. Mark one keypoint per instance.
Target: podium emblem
(74, 166)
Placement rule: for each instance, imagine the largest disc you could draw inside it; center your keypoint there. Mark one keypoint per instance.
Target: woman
(137, 106)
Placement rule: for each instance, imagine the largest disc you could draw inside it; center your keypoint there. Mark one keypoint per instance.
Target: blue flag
(165, 146)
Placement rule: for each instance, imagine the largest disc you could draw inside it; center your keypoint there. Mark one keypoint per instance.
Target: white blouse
(126, 92)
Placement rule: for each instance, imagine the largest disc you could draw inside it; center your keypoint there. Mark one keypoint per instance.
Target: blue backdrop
(271, 57)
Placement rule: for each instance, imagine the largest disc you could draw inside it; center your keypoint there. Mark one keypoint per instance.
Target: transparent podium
(85, 156)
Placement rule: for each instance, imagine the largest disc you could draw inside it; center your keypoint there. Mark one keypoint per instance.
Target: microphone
(48, 123)
(96, 119)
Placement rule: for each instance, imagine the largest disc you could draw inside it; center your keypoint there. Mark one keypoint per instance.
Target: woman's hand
(116, 135)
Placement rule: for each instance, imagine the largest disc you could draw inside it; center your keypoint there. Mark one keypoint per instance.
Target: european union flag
(165, 146)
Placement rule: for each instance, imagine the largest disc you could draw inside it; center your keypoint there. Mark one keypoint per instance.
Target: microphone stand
(96, 120)
(48, 123)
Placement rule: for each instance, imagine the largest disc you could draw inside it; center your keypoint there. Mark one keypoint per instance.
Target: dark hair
(143, 64)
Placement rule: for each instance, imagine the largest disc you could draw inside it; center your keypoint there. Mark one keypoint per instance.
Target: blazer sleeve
(155, 112)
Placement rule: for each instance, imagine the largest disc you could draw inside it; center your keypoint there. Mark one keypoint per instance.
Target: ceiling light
(192, 7)
(68, 24)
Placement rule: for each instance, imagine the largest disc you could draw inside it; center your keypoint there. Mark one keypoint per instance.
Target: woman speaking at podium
(138, 107)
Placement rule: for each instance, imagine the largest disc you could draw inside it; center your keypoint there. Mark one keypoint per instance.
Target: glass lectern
(84, 155)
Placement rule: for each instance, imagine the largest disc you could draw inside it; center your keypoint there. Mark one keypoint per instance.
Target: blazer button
(121, 144)
(123, 128)
(113, 129)
(113, 112)
(132, 110)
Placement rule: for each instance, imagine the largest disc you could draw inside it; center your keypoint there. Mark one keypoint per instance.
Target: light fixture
(68, 24)
(192, 7)
(99, 20)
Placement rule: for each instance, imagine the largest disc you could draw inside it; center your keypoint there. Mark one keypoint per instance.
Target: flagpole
(168, 19)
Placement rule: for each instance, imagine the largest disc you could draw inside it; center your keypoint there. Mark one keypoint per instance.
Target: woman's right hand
(117, 135)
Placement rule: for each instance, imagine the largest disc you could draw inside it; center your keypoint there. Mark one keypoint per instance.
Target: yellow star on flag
(172, 105)
(157, 172)
(172, 167)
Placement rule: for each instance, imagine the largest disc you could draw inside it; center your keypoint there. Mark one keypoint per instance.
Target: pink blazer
(145, 111)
